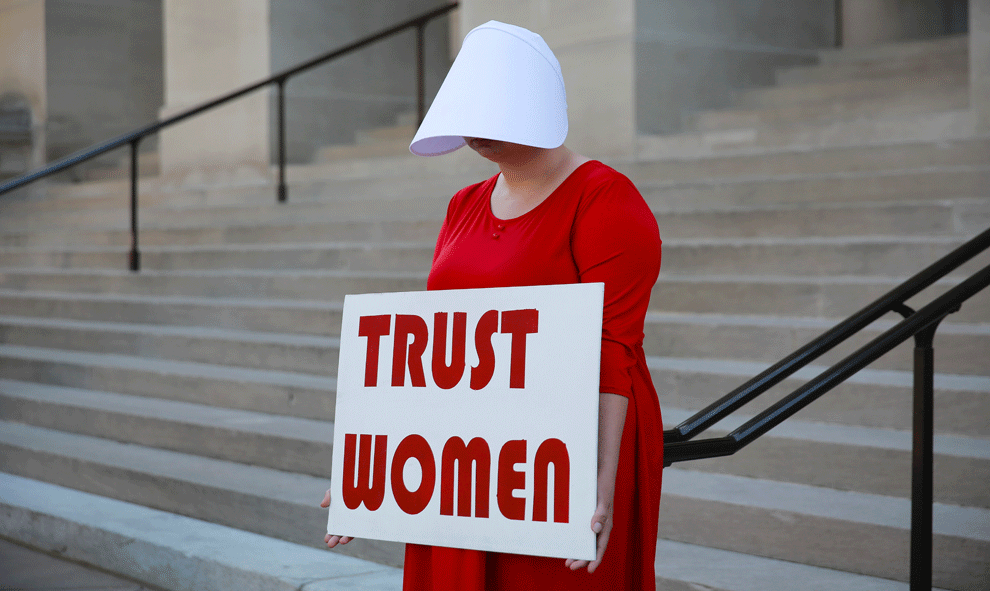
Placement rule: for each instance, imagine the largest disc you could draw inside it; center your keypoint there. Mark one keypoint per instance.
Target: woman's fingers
(601, 524)
(330, 540)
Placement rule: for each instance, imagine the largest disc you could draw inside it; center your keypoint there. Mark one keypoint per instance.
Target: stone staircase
(204, 385)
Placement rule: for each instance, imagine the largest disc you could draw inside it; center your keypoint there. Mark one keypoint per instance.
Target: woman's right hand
(329, 539)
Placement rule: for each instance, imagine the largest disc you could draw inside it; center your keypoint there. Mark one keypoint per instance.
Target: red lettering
(447, 376)
(509, 479)
(406, 325)
(519, 323)
(369, 488)
(373, 327)
(413, 447)
(551, 451)
(475, 452)
(482, 374)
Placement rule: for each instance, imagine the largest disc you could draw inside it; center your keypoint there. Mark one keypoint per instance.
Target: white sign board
(469, 419)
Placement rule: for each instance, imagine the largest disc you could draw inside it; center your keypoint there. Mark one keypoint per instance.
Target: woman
(551, 216)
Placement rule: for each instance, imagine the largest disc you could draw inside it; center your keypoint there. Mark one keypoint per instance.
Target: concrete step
(870, 398)
(779, 295)
(808, 161)
(315, 355)
(962, 348)
(225, 283)
(359, 230)
(958, 217)
(131, 540)
(170, 551)
(775, 295)
(871, 63)
(129, 471)
(854, 458)
(922, 48)
(393, 147)
(796, 256)
(395, 133)
(260, 315)
(928, 127)
(853, 89)
(915, 218)
(845, 530)
(432, 207)
(258, 439)
(320, 189)
(907, 102)
(277, 392)
(273, 503)
(937, 183)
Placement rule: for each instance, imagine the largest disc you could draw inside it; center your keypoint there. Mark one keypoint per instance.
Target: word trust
(411, 334)
(365, 478)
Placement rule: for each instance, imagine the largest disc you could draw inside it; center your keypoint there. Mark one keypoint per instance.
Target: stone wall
(104, 70)
(691, 55)
(22, 62)
(369, 88)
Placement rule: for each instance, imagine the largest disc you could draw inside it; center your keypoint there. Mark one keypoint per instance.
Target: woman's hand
(333, 540)
(601, 524)
(611, 420)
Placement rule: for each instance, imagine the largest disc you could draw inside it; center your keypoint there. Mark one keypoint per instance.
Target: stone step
(845, 457)
(273, 441)
(264, 233)
(395, 133)
(326, 256)
(907, 102)
(915, 218)
(924, 218)
(393, 147)
(274, 503)
(807, 161)
(131, 540)
(315, 355)
(845, 530)
(937, 183)
(820, 454)
(922, 48)
(262, 315)
(280, 504)
(774, 295)
(169, 551)
(870, 398)
(779, 295)
(341, 194)
(928, 127)
(845, 90)
(277, 392)
(963, 348)
(794, 256)
(301, 284)
(433, 207)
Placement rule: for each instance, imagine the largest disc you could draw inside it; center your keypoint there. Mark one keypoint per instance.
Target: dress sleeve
(615, 240)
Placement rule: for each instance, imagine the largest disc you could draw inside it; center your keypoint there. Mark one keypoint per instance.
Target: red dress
(595, 227)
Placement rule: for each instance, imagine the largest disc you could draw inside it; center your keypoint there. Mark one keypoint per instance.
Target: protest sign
(469, 419)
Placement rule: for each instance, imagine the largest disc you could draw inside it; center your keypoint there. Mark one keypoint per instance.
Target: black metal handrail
(920, 324)
(134, 138)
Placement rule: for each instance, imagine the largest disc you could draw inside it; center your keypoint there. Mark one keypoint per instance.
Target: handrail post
(420, 73)
(921, 460)
(283, 193)
(135, 255)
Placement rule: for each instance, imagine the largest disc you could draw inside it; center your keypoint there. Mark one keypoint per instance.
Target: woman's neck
(530, 176)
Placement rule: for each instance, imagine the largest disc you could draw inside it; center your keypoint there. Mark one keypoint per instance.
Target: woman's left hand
(601, 524)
